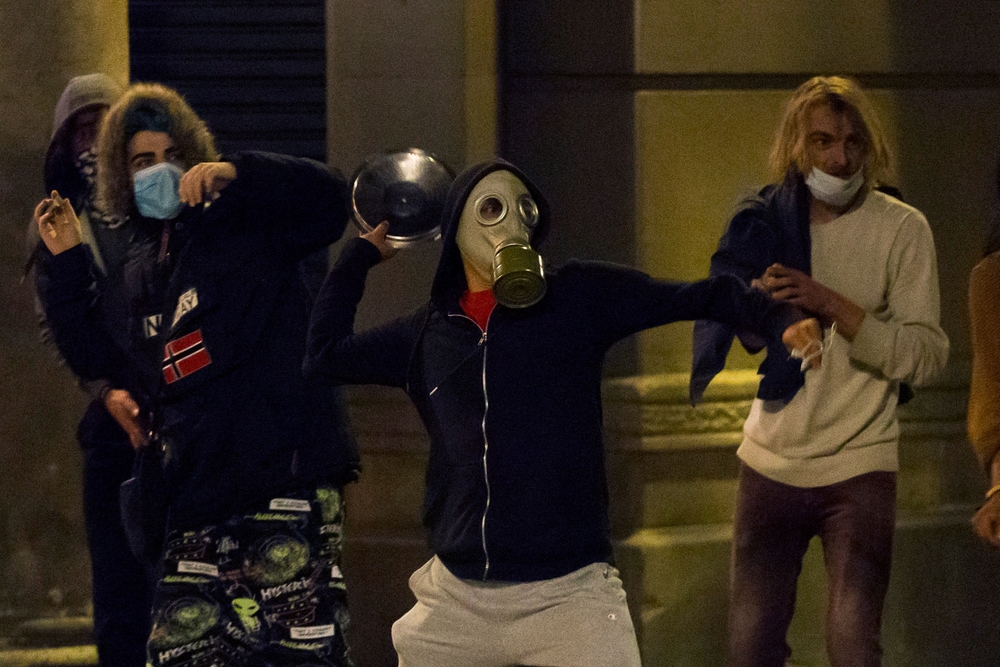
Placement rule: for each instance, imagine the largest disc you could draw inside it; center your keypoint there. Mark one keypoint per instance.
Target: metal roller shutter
(255, 70)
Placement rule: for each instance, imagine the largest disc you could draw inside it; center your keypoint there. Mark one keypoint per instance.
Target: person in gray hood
(121, 584)
(504, 366)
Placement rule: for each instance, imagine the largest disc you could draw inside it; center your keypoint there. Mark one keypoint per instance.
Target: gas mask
(494, 236)
(86, 166)
(156, 191)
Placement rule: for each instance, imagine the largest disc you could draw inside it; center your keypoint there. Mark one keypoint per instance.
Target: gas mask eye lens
(490, 209)
(529, 210)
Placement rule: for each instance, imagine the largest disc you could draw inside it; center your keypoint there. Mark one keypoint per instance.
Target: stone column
(645, 123)
(429, 82)
(42, 542)
(715, 81)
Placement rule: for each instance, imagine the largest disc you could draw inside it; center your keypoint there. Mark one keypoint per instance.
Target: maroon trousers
(855, 520)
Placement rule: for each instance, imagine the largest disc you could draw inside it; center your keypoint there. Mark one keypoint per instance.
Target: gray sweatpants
(577, 620)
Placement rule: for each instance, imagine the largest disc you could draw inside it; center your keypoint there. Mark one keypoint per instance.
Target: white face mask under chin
(832, 190)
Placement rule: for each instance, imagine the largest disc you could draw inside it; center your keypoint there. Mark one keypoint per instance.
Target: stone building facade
(645, 122)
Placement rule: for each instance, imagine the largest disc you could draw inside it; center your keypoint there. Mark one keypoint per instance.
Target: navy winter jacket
(772, 227)
(217, 335)
(516, 487)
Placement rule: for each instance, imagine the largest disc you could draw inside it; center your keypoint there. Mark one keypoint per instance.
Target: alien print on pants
(262, 588)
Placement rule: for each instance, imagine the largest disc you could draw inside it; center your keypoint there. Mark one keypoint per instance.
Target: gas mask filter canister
(494, 236)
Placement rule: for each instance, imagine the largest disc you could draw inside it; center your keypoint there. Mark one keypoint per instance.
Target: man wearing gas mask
(504, 367)
(251, 458)
(122, 586)
(819, 453)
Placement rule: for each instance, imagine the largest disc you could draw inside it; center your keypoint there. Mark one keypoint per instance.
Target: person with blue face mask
(157, 191)
(250, 458)
(819, 453)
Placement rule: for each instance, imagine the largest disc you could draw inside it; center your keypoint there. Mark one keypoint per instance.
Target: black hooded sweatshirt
(516, 487)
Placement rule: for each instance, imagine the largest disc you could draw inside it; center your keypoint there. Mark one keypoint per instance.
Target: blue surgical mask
(156, 191)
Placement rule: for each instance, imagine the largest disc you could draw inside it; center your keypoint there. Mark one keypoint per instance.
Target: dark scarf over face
(86, 166)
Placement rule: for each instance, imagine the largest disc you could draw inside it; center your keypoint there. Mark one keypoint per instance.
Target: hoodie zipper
(486, 440)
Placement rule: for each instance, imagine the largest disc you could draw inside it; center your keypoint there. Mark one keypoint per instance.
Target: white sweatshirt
(842, 423)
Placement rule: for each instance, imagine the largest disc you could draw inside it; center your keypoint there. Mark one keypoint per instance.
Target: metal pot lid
(407, 188)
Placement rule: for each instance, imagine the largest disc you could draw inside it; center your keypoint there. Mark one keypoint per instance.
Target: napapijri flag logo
(185, 304)
(184, 356)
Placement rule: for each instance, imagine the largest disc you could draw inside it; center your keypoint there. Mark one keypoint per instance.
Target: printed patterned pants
(262, 588)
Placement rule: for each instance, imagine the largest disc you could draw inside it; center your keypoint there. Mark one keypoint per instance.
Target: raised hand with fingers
(57, 224)
(377, 238)
(787, 284)
(204, 181)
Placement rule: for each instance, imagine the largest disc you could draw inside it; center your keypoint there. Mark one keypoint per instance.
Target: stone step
(940, 607)
(63, 656)
(52, 632)
(65, 641)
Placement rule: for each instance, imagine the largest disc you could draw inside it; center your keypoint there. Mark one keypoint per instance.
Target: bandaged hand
(804, 341)
(57, 224)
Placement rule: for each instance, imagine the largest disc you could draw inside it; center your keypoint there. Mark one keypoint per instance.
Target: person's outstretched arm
(624, 301)
(299, 203)
(334, 352)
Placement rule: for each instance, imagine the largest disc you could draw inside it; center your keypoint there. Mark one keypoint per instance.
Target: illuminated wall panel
(789, 36)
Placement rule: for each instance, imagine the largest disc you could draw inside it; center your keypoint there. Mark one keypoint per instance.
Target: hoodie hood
(449, 281)
(81, 92)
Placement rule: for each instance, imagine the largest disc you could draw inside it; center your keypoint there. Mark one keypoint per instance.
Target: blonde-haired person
(819, 453)
(253, 457)
(844, 96)
(984, 389)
